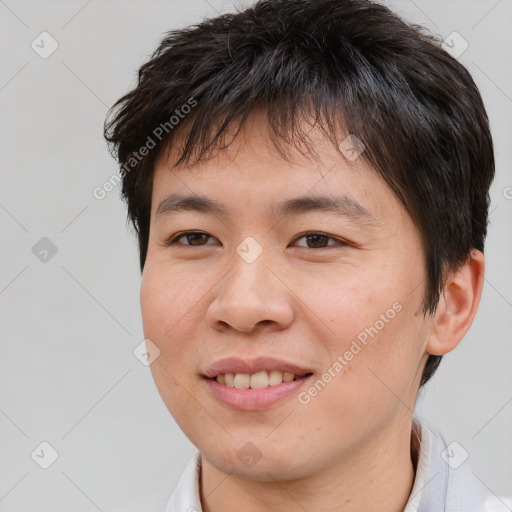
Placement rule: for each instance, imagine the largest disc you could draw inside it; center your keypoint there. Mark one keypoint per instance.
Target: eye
(318, 240)
(314, 239)
(192, 238)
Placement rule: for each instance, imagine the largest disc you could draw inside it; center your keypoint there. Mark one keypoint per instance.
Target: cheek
(167, 299)
(371, 367)
(348, 300)
(168, 295)
(170, 306)
(369, 325)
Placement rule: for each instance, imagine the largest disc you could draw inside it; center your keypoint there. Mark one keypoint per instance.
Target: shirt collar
(186, 497)
(421, 441)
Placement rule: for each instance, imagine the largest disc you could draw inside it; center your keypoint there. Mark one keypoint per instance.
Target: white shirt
(443, 481)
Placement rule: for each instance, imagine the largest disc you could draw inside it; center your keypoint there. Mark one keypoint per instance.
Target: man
(309, 181)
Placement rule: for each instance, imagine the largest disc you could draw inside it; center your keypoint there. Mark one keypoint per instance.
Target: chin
(257, 464)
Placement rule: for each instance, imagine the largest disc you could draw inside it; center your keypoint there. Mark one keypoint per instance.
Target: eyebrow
(341, 205)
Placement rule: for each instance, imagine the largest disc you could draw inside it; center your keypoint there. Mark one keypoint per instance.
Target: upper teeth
(255, 380)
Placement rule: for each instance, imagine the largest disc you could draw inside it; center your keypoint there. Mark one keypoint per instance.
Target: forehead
(251, 169)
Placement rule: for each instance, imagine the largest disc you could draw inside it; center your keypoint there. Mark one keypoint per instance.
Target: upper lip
(258, 364)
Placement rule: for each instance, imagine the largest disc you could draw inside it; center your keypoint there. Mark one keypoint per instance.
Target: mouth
(258, 380)
(256, 384)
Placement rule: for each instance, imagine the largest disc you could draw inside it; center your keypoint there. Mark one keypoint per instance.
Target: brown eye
(193, 238)
(316, 240)
(196, 238)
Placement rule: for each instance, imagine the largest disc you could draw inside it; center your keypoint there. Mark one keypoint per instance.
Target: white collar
(421, 439)
(186, 497)
(438, 487)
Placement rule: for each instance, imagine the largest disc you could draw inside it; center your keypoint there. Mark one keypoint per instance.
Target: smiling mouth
(258, 380)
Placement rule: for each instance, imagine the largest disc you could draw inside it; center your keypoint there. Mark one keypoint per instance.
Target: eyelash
(340, 242)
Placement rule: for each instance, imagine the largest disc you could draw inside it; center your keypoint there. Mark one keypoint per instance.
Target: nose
(251, 298)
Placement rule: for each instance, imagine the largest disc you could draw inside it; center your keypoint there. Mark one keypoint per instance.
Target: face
(307, 269)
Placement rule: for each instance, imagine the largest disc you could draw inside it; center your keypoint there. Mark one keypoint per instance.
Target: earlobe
(458, 305)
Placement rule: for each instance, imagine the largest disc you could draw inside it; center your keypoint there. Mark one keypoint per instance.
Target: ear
(457, 306)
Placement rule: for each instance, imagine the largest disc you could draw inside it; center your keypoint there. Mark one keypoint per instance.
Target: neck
(379, 477)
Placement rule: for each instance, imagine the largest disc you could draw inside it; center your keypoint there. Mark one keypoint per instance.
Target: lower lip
(254, 399)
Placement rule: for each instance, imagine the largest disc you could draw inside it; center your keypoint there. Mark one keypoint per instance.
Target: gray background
(69, 325)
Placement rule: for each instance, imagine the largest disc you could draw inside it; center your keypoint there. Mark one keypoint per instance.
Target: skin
(349, 447)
